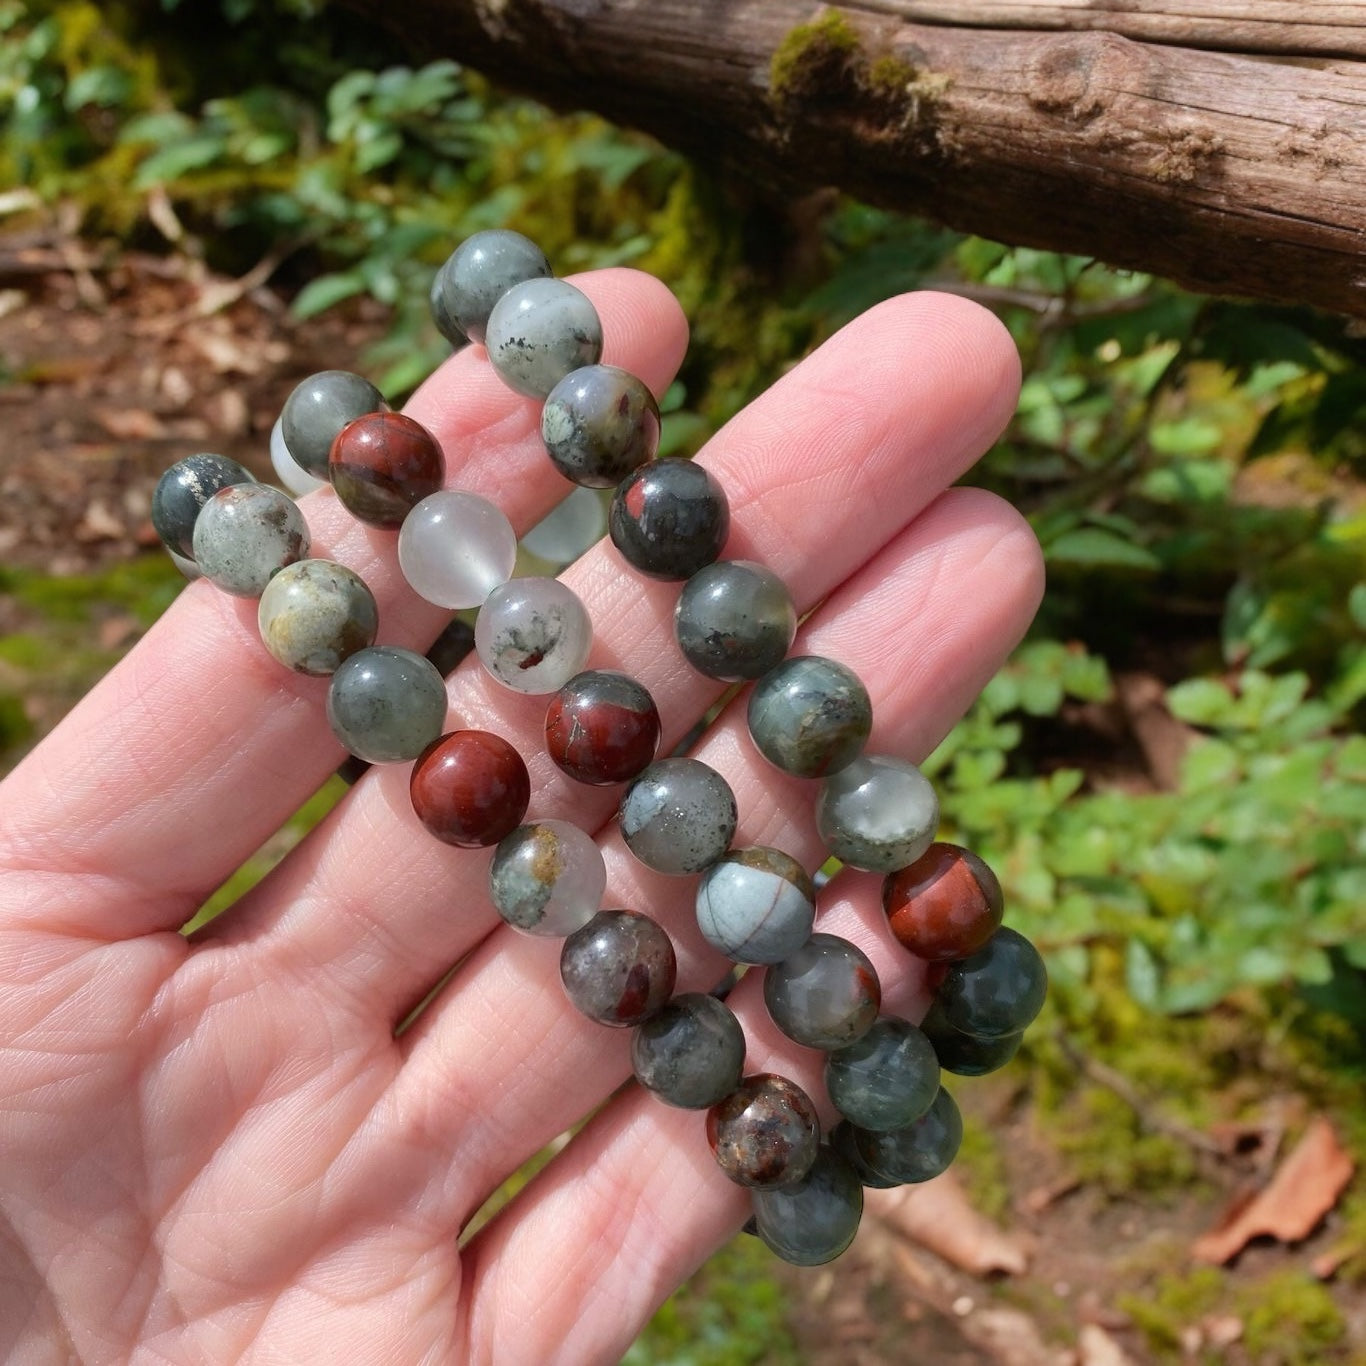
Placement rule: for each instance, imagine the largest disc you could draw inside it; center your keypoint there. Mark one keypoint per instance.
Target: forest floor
(111, 369)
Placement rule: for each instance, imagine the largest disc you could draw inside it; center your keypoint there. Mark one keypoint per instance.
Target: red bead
(946, 905)
(384, 464)
(602, 727)
(470, 788)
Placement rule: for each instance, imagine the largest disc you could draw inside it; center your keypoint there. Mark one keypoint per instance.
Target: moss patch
(813, 58)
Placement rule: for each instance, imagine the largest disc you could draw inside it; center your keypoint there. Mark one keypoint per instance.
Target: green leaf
(1142, 974)
(325, 291)
(1200, 702)
(171, 163)
(1089, 546)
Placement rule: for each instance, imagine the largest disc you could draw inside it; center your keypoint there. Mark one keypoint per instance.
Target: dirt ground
(110, 370)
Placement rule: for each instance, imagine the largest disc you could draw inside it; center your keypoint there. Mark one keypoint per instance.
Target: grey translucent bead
(315, 614)
(810, 716)
(735, 620)
(886, 1079)
(825, 995)
(756, 905)
(540, 331)
(599, 424)
(185, 564)
(184, 489)
(386, 704)
(533, 635)
(455, 548)
(921, 1151)
(878, 814)
(679, 816)
(318, 409)
(288, 471)
(619, 969)
(814, 1220)
(568, 529)
(547, 878)
(692, 1054)
(245, 535)
(476, 275)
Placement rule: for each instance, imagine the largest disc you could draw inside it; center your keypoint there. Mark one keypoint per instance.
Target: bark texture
(1221, 143)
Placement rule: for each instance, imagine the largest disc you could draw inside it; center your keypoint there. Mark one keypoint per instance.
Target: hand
(216, 1150)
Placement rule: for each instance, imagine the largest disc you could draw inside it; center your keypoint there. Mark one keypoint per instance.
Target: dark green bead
(920, 1151)
(318, 409)
(692, 1054)
(886, 1079)
(996, 991)
(183, 490)
(810, 716)
(734, 620)
(599, 424)
(844, 1140)
(961, 1053)
(476, 275)
(815, 1219)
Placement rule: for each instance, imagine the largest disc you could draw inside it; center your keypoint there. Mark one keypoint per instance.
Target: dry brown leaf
(1305, 1187)
(938, 1215)
(130, 424)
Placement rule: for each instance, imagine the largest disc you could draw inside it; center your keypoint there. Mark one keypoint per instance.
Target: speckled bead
(886, 1079)
(599, 424)
(619, 969)
(476, 275)
(539, 332)
(692, 1054)
(756, 905)
(533, 635)
(997, 990)
(547, 878)
(878, 814)
(765, 1134)
(288, 471)
(184, 489)
(946, 905)
(814, 1220)
(961, 1053)
(470, 788)
(602, 727)
(734, 620)
(455, 548)
(382, 465)
(386, 704)
(679, 816)
(919, 1152)
(318, 409)
(669, 519)
(825, 995)
(246, 534)
(314, 614)
(810, 716)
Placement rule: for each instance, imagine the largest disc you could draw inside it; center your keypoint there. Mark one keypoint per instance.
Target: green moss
(1290, 1319)
(812, 57)
(890, 76)
(984, 1172)
(1172, 1303)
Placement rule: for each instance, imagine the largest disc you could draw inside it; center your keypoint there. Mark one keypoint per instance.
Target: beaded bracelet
(735, 622)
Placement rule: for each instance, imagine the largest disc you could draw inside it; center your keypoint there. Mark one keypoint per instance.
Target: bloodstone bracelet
(735, 622)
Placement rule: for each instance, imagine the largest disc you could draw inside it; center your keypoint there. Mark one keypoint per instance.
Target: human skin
(218, 1149)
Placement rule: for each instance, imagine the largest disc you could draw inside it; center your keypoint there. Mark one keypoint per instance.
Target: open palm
(216, 1149)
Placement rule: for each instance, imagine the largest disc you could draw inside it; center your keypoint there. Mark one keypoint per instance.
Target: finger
(966, 576)
(196, 748)
(821, 470)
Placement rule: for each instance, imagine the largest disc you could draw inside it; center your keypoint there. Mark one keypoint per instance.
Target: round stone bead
(455, 548)
(946, 905)
(669, 519)
(386, 704)
(314, 614)
(765, 1134)
(599, 424)
(539, 332)
(476, 275)
(815, 1219)
(692, 1054)
(185, 564)
(602, 727)
(756, 905)
(568, 529)
(919, 1152)
(886, 1079)
(997, 990)
(619, 969)
(184, 489)
(382, 465)
(810, 716)
(734, 620)
(533, 635)
(877, 814)
(961, 1053)
(470, 788)
(287, 469)
(825, 995)
(843, 1139)
(246, 534)
(547, 878)
(679, 816)
(318, 409)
